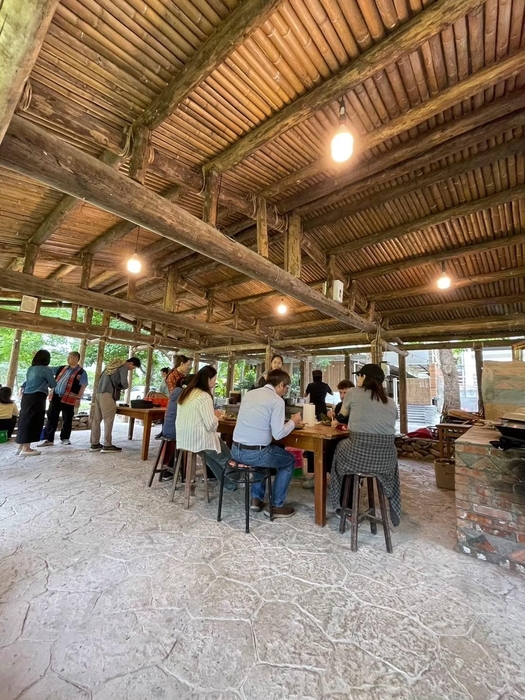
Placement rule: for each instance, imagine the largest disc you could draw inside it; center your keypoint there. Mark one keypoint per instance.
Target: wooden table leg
(320, 483)
(131, 425)
(146, 436)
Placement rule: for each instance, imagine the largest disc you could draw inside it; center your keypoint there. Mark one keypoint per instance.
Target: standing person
(317, 391)
(370, 448)
(181, 367)
(276, 362)
(113, 380)
(163, 387)
(262, 418)
(39, 379)
(71, 382)
(8, 411)
(197, 422)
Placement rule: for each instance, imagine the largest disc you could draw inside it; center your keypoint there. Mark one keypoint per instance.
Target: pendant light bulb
(342, 144)
(282, 308)
(134, 264)
(444, 280)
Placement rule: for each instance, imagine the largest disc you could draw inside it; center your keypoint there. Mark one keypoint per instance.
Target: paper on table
(309, 414)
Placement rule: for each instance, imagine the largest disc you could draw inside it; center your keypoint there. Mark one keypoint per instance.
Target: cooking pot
(511, 428)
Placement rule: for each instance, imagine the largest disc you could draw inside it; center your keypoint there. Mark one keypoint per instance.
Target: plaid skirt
(368, 453)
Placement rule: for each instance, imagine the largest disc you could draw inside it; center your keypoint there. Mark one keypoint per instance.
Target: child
(342, 388)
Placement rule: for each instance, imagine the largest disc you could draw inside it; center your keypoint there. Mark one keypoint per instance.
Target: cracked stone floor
(109, 592)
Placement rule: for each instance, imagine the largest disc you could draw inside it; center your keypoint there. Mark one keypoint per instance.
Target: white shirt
(261, 418)
(196, 424)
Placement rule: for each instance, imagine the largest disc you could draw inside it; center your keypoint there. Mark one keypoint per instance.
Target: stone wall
(417, 448)
(490, 505)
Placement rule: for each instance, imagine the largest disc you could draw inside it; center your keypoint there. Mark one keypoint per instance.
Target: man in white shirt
(262, 419)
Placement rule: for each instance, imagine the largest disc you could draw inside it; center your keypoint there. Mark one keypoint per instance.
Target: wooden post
(87, 265)
(403, 411)
(196, 361)
(268, 359)
(13, 360)
(131, 293)
(376, 350)
(517, 354)
(149, 369)
(211, 198)
(332, 273)
(24, 25)
(292, 246)
(352, 295)
(170, 294)
(230, 377)
(348, 368)
(262, 228)
(130, 379)
(209, 308)
(30, 258)
(83, 343)
(302, 377)
(478, 357)
(140, 154)
(74, 312)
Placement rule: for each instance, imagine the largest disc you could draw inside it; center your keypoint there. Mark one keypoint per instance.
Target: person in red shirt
(182, 367)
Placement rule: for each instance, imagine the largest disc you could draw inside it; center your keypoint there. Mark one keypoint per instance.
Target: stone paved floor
(107, 591)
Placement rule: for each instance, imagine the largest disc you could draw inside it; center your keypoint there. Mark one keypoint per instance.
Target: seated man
(262, 418)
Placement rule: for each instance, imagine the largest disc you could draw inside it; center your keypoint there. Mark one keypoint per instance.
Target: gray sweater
(366, 415)
(119, 379)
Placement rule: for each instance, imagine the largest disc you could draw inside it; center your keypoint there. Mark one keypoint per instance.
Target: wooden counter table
(319, 439)
(148, 416)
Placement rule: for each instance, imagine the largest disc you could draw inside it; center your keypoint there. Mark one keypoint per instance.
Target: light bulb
(444, 281)
(134, 265)
(282, 308)
(342, 145)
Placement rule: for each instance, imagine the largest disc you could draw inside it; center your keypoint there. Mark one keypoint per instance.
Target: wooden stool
(190, 470)
(161, 454)
(247, 471)
(352, 486)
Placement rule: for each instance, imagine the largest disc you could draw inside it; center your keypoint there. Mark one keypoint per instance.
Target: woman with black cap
(370, 448)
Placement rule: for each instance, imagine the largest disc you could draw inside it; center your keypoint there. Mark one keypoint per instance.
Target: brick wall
(490, 505)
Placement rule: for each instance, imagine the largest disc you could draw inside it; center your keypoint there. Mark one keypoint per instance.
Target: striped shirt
(196, 424)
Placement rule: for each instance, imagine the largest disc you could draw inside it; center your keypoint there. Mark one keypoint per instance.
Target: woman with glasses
(370, 448)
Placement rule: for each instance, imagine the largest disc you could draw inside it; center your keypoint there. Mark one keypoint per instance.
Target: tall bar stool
(351, 489)
(249, 474)
(188, 461)
(165, 445)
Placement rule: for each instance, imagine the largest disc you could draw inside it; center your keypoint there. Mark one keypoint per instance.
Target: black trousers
(53, 414)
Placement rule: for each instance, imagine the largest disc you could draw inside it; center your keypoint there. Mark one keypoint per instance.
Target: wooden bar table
(319, 439)
(148, 416)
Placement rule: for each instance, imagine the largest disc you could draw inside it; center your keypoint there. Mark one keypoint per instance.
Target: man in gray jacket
(113, 380)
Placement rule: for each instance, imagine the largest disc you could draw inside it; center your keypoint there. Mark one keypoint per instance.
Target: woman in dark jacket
(40, 379)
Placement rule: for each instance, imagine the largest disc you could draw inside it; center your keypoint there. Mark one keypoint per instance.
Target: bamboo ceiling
(438, 168)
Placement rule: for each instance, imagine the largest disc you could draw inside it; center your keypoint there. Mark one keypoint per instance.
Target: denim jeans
(272, 456)
(218, 462)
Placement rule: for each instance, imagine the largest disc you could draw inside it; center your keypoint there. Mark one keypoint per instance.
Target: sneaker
(95, 448)
(65, 442)
(308, 484)
(282, 512)
(256, 505)
(158, 437)
(167, 475)
(30, 453)
(45, 443)
(111, 448)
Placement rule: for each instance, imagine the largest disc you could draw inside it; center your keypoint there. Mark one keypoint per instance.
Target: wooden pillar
(140, 154)
(348, 366)
(292, 246)
(83, 343)
(31, 257)
(74, 312)
(403, 411)
(517, 354)
(376, 350)
(211, 197)
(478, 357)
(332, 273)
(24, 25)
(209, 308)
(149, 369)
(130, 379)
(13, 360)
(87, 265)
(268, 359)
(262, 228)
(230, 377)
(196, 361)
(352, 295)
(302, 377)
(170, 293)
(131, 293)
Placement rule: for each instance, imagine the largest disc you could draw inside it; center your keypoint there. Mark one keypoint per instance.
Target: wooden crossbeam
(406, 38)
(31, 151)
(452, 306)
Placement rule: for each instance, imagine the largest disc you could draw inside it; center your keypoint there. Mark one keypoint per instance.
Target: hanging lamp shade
(134, 264)
(342, 144)
(282, 308)
(444, 280)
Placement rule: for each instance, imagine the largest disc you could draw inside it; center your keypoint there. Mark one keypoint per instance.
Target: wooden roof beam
(230, 34)
(406, 38)
(433, 219)
(35, 153)
(452, 306)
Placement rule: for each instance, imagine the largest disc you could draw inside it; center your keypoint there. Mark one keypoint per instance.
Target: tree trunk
(451, 398)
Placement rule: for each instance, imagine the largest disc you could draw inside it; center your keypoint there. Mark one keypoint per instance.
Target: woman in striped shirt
(197, 422)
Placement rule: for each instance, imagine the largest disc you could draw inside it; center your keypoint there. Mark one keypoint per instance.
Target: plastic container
(3, 435)
(445, 471)
(298, 455)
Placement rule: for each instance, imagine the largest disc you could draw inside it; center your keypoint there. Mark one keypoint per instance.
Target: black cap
(372, 371)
